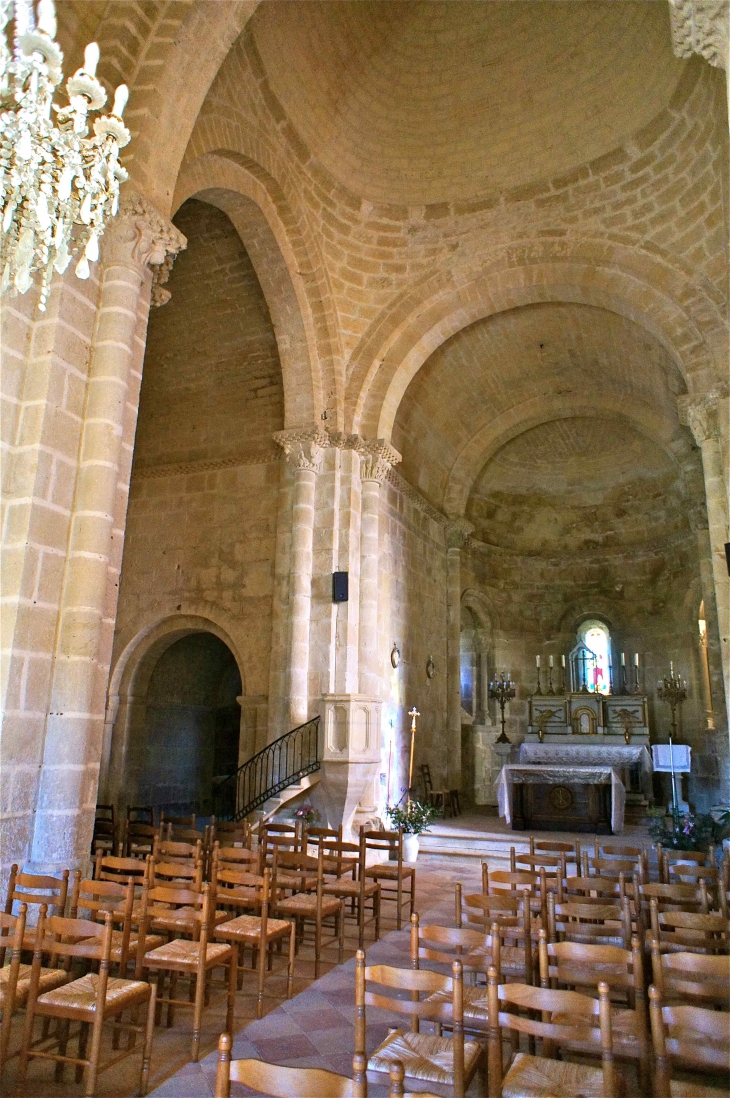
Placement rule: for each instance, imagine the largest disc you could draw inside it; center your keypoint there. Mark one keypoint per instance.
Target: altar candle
(671, 669)
(562, 660)
(551, 661)
(636, 659)
(623, 659)
(537, 661)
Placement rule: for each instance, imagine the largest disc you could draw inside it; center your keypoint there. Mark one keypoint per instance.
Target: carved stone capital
(139, 237)
(457, 533)
(302, 449)
(700, 414)
(701, 26)
(376, 458)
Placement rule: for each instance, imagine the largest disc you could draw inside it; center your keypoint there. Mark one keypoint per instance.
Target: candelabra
(59, 184)
(672, 690)
(502, 690)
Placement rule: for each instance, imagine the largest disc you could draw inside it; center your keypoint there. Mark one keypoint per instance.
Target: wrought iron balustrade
(281, 764)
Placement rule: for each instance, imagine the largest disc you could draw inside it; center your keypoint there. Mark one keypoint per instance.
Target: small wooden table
(561, 798)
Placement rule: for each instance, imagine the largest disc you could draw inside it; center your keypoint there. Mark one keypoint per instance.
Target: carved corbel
(701, 414)
(140, 237)
(701, 26)
(303, 449)
(376, 459)
(458, 532)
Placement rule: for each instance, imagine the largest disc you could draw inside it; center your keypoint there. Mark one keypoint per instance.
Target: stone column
(376, 458)
(701, 415)
(457, 533)
(137, 239)
(303, 450)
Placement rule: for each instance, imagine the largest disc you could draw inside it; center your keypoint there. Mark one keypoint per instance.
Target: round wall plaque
(561, 797)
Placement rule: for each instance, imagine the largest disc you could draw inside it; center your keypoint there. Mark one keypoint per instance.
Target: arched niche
(175, 704)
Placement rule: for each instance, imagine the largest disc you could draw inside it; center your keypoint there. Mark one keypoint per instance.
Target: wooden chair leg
(83, 1039)
(198, 1016)
(292, 961)
(341, 929)
(232, 975)
(172, 994)
(93, 1063)
(317, 944)
(399, 901)
(262, 959)
(62, 1048)
(148, 1035)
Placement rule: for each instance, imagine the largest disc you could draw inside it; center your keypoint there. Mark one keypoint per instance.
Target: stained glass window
(595, 636)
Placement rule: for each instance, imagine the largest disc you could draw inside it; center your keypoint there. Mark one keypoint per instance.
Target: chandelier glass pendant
(59, 183)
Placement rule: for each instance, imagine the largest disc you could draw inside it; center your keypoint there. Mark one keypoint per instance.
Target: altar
(561, 797)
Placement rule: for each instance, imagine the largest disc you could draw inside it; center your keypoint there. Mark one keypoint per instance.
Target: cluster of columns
(92, 344)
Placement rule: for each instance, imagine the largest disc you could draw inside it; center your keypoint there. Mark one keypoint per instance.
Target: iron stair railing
(279, 765)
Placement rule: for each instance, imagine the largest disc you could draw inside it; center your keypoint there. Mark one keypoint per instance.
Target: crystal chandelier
(59, 184)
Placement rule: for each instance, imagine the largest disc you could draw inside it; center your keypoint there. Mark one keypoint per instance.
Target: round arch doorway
(189, 732)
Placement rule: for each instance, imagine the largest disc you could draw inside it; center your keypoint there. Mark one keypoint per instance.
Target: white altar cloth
(578, 754)
(543, 773)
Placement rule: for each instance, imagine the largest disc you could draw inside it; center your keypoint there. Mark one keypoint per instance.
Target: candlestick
(502, 690)
(623, 659)
(537, 661)
(550, 658)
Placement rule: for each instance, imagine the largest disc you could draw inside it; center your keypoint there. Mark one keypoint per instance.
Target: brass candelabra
(502, 689)
(673, 690)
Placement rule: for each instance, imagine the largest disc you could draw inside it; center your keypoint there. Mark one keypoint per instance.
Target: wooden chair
(507, 918)
(34, 890)
(90, 1000)
(295, 872)
(259, 932)
(535, 1076)
(476, 952)
(689, 873)
(312, 907)
(280, 836)
(235, 857)
(177, 821)
(230, 832)
(138, 840)
(574, 965)
(439, 798)
(351, 884)
(283, 1082)
(596, 890)
(423, 1056)
(553, 864)
(174, 874)
(96, 898)
(601, 924)
(104, 836)
(667, 858)
(688, 931)
(194, 960)
(119, 870)
(633, 869)
(678, 897)
(700, 978)
(167, 850)
(689, 1035)
(557, 846)
(393, 874)
(141, 813)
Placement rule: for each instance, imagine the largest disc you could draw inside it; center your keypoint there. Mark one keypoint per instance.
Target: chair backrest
(391, 980)
(105, 812)
(68, 938)
(579, 965)
(139, 838)
(691, 1034)
(237, 888)
(384, 842)
(577, 1022)
(617, 850)
(177, 821)
(282, 1082)
(693, 976)
(499, 880)
(235, 856)
(98, 897)
(141, 813)
(553, 864)
(298, 865)
(689, 931)
(178, 851)
(687, 897)
(30, 888)
(341, 858)
(280, 836)
(108, 868)
(163, 873)
(556, 846)
(587, 923)
(230, 832)
(632, 868)
(12, 930)
(690, 873)
(595, 890)
(444, 944)
(426, 776)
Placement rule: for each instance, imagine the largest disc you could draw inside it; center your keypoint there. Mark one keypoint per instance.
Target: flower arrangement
(308, 813)
(413, 818)
(693, 831)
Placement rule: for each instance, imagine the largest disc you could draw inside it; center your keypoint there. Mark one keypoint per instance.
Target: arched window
(591, 658)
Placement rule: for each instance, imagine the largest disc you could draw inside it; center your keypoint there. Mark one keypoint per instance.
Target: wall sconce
(430, 668)
(395, 655)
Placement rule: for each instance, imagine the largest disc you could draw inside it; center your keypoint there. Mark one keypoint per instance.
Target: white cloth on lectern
(678, 754)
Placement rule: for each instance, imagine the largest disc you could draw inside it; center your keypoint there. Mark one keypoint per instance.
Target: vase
(410, 848)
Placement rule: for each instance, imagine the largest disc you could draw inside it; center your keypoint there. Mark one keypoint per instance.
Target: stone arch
(482, 608)
(130, 679)
(659, 296)
(487, 441)
(268, 228)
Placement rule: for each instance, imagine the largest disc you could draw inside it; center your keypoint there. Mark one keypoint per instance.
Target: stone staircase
(276, 803)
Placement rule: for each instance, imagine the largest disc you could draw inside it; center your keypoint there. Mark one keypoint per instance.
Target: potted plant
(308, 813)
(413, 819)
(693, 831)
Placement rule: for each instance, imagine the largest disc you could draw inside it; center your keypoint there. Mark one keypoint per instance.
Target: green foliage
(414, 818)
(695, 831)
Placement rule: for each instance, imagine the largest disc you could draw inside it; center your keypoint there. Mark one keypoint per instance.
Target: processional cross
(414, 714)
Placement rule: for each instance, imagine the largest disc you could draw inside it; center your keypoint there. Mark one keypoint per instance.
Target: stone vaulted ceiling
(412, 102)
